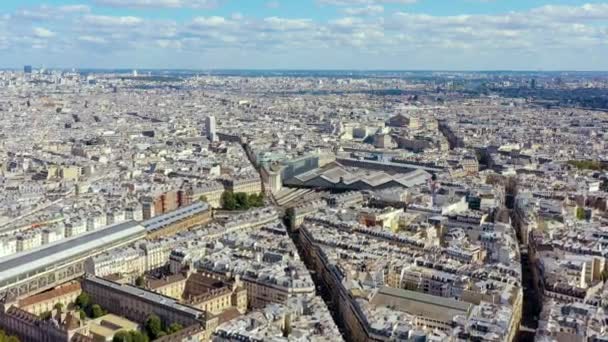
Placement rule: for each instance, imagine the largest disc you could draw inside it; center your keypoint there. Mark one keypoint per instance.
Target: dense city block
(295, 206)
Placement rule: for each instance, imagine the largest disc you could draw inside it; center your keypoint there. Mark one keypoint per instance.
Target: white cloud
(283, 24)
(365, 2)
(92, 39)
(44, 12)
(103, 20)
(41, 32)
(158, 3)
(346, 22)
(33, 14)
(367, 10)
(209, 21)
(74, 9)
(365, 28)
(572, 13)
(168, 44)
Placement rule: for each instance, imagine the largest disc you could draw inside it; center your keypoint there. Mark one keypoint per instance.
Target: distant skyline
(306, 34)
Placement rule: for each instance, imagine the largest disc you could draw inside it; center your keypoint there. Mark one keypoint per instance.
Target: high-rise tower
(210, 129)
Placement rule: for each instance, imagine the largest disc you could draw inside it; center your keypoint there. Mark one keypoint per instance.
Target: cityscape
(235, 204)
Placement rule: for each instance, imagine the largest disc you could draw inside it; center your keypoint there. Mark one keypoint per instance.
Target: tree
(82, 314)
(43, 316)
(256, 200)
(228, 200)
(96, 311)
(153, 326)
(604, 185)
(122, 336)
(580, 213)
(242, 201)
(138, 336)
(173, 328)
(203, 198)
(587, 165)
(83, 300)
(140, 281)
(5, 338)
(58, 307)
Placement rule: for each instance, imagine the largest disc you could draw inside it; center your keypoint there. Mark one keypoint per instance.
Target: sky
(306, 34)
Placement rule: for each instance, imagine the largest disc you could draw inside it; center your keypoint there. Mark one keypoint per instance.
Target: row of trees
(155, 329)
(88, 308)
(6, 338)
(83, 305)
(48, 314)
(241, 201)
(588, 165)
(130, 336)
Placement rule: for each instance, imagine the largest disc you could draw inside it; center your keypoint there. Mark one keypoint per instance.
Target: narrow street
(322, 290)
(532, 304)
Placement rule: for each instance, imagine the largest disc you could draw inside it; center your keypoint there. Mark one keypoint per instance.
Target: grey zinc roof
(418, 303)
(174, 216)
(338, 173)
(48, 255)
(148, 296)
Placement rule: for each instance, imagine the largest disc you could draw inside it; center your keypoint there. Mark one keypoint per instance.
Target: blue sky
(306, 34)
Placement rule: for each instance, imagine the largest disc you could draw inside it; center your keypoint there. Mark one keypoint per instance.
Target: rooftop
(147, 296)
(54, 254)
(174, 216)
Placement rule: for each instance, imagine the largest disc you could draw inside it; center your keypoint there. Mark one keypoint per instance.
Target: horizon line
(300, 69)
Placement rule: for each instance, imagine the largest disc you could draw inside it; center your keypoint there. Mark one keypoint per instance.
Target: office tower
(210, 129)
(27, 69)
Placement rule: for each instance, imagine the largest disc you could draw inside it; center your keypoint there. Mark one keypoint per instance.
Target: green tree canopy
(96, 311)
(138, 336)
(588, 165)
(5, 338)
(242, 201)
(153, 326)
(580, 213)
(83, 300)
(173, 328)
(228, 201)
(140, 281)
(122, 336)
(256, 201)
